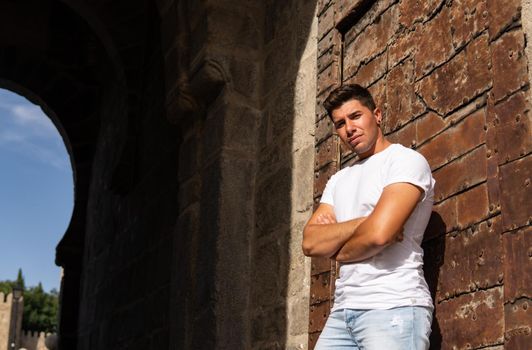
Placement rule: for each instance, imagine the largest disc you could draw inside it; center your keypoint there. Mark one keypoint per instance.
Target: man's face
(357, 126)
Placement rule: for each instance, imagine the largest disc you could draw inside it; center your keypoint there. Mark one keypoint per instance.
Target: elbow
(382, 239)
(308, 248)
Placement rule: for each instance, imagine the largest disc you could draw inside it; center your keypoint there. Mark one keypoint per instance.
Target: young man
(371, 220)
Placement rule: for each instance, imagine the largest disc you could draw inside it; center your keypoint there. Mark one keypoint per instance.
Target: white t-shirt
(394, 277)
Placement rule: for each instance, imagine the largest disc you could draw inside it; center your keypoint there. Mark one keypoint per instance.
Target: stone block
(461, 174)
(428, 126)
(509, 60)
(322, 176)
(502, 16)
(241, 127)
(433, 43)
(457, 82)
(321, 265)
(516, 191)
(455, 141)
(364, 14)
(472, 206)
(517, 269)
(518, 319)
(473, 260)
(326, 152)
(333, 40)
(512, 127)
(471, 320)
(372, 41)
(326, 22)
(318, 316)
(447, 210)
(329, 78)
(324, 129)
(467, 19)
(414, 11)
(405, 136)
(270, 218)
(402, 102)
(320, 288)
(402, 47)
(370, 72)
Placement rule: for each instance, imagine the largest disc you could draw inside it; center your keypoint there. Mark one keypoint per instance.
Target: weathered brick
(517, 264)
(472, 206)
(324, 129)
(325, 59)
(434, 43)
(516, 192)
(318, 316)
(472, 260)
(326, 152)
(313, 339)
(378, 91)
(402, 102)
(472, 320)
(329, 78)
(372, 41)
(326, 22)
(513, 129)
(428, 126)
(320, 288)
(369, 72)
(402, 47)
(461, 173)
(345, 7)
(372, 15)
(413, 11)
(321, 178)
(332, 39)
(455, 141)
(518, 318)
(322, 5)
(509, 60)
(501, 17)
(459, 80)
(467, 19)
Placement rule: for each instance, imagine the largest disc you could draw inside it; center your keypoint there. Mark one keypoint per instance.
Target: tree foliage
(40, 307)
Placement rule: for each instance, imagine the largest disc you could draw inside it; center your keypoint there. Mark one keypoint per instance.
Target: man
(371, 220)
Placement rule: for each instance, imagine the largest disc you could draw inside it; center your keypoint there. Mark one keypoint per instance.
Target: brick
(458, 81)
(434, 43)
(455, 141)
(320, 288)
(473, 259)
(468, 18)
(313, 339)
(333, 39)
(322, 5)
(472, 206)
(413, 11)
(321, 178)
(461, 173)
(471, 320)
(369, 72)
(345, 7)
(318, 316)
(373, 14)
(329, 78)
(501, 17)
(516, 191)
(326, 152)
(517, 264)
(402, 103)
(372, 41)
(326, 22)
(325, 59)
(428, 126)
(518, 319)
(509, 60)
(378, 91)
(513, 129)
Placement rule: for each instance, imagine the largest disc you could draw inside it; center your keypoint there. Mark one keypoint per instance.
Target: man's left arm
(384, 225)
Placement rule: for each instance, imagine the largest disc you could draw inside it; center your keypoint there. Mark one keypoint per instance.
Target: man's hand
(325, 219)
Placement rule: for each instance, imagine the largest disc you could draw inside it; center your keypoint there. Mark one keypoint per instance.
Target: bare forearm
(324, 240)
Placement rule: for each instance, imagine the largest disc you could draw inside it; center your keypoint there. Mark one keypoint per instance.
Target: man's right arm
(323, 236)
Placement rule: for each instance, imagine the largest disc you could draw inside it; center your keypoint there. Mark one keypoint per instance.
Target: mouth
(355, 140)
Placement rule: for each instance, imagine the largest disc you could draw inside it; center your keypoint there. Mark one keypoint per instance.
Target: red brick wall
(451, 78)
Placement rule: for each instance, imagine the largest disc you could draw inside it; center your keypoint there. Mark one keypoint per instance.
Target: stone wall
(6, 303)
(452, 79)
(33, 340)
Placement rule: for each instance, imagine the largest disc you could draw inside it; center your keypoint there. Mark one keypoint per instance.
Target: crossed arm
(361, 238)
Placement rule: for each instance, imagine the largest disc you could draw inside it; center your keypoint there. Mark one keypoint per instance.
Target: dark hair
(345, 93)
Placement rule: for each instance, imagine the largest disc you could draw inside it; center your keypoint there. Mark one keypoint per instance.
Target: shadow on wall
(434, 248)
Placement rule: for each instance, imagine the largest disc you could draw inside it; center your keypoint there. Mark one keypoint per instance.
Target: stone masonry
(452, 80)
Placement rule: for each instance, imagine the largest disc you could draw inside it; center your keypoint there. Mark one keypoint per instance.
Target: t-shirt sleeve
(413, 168)
(328, 193)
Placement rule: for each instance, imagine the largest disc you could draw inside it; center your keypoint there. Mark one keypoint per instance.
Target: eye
(355, 116)
(339, 124)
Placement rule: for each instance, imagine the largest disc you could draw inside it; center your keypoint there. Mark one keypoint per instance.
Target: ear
(378, 115)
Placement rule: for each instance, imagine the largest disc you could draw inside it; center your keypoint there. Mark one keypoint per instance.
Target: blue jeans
(401, 328)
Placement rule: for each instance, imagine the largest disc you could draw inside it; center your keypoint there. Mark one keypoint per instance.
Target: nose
(350, 127)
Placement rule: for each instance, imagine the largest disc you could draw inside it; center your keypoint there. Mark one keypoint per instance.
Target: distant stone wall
(34, 340)
(6, 303)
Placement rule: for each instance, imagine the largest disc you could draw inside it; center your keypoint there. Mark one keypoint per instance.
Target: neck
(380, 145)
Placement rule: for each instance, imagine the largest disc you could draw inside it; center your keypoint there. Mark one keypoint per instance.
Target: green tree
(40, 308)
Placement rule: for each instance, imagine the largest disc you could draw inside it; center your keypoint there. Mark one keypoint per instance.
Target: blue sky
(36, 192)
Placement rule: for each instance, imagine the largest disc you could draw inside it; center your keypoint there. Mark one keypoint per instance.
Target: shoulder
(405, 156)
